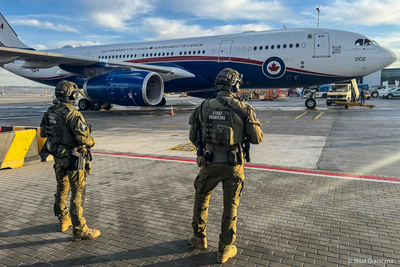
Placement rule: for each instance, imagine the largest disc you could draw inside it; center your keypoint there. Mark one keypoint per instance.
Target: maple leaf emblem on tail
(273, 67)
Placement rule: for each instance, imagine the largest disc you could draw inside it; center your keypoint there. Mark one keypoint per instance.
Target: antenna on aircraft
(318, 9)
(284, 27)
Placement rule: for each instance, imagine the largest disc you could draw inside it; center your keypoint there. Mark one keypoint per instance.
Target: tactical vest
(60, 138)
(219, 127)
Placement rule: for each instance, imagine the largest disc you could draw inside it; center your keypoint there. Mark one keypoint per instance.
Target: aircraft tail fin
(8, 38)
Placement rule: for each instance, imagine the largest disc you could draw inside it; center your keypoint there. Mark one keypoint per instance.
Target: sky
(47, 24)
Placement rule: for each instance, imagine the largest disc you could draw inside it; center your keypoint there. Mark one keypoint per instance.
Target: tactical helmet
(228, 79)
(66, 91)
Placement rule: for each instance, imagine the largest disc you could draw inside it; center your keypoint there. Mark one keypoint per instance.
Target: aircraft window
(151, 54)
(297, 45)
(359, 42)
(142, 55)
(163, 54)
(261, 47)
(180, 53)
(113, 56)
(184, 53)
(198, 52)
(172, 53)
(374, 42)
(255, 48)
(367, 42)
(147, 54)
(204, 51)
(120, 56)
(123, 56)
(272, 46)
(291, 45)
(167, 53)
(194, 52)
(249, 48)
(278, 47)
(244, 49)
(284, 46)
(266, 47)
(189, 52)
(135, 55)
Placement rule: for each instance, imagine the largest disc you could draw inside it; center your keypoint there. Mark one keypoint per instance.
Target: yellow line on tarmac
(264, 123)
(318, 116)
(301, 115)
(167, 126)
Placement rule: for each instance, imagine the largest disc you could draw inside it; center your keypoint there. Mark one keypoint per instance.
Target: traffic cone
(171, 112)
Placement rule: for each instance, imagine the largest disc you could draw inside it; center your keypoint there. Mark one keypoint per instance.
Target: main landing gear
(85, 104)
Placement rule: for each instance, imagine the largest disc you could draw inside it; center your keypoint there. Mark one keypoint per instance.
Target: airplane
(138, 74)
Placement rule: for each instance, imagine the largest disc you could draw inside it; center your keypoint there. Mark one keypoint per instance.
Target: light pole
(318, 9)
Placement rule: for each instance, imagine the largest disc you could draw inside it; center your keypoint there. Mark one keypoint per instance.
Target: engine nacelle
(126, 88)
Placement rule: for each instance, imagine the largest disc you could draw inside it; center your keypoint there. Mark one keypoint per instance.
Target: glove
(201, 161)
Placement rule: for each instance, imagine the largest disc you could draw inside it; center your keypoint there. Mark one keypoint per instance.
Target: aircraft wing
(37, 59)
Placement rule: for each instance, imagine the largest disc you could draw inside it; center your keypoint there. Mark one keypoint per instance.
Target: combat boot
(223, 257)
(88, 235)
(65, 224)
(197, 242)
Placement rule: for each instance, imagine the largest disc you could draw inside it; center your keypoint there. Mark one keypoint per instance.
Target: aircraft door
(321, 45)
(225, 49)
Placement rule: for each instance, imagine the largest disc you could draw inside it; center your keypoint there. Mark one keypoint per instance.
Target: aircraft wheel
(108, 106)
(374, 94)
(162, 102)
(96, 105)
(84, 104)
(311, 103)
(328, 103)
(346, 106)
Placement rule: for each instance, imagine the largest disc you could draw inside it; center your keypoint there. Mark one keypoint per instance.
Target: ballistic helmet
(66, 91)
(228, 79)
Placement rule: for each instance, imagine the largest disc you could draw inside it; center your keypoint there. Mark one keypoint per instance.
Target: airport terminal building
(386, 75)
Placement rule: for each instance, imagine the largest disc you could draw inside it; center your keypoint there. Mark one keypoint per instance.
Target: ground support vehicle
(346, 94)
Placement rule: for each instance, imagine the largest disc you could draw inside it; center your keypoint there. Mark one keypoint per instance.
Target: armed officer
(219, 128)
(69, 141)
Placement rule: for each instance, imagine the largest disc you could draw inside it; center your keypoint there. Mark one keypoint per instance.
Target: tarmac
(320, 191)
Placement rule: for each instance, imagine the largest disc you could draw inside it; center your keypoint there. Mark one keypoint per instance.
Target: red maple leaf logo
(273, 67)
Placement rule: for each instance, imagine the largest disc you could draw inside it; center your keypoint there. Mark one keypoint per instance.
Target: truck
(340, 92)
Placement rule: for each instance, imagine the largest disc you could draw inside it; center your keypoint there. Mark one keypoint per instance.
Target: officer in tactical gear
(222, 129)
(69, 141)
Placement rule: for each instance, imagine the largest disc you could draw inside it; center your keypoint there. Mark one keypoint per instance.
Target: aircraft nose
(389, 58)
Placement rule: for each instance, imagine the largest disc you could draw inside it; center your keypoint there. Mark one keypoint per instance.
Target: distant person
(69, 141)
(219, 127)
(362, 95)
(251, 97)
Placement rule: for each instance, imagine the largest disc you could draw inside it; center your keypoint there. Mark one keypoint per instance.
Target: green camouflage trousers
(76, 181)
(232, 183)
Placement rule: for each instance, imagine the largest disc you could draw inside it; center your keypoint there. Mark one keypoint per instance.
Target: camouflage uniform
(222, 168)
(69, 141)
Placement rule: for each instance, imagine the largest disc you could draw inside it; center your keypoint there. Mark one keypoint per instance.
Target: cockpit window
(374, 42)
(368, 42)
(359, 42)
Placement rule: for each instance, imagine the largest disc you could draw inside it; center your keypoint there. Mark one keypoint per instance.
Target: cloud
(234, 9)
(162, 29)
(362, 12)
(43, 25)
(117, 14)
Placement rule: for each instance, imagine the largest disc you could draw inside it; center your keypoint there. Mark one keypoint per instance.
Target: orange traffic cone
(171, 112)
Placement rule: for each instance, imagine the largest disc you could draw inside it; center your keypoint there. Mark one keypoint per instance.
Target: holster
(76, 161)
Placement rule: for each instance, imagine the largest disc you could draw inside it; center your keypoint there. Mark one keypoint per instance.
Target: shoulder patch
(84, 127)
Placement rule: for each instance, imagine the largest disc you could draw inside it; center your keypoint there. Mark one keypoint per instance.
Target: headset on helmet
(228, 79)
(66, 91)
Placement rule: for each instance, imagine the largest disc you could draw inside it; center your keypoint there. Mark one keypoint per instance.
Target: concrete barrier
(18, 148)
(44, 155)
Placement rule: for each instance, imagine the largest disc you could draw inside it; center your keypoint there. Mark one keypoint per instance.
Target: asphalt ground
(321, 190)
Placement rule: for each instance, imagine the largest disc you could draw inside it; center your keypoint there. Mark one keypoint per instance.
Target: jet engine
(128, 88)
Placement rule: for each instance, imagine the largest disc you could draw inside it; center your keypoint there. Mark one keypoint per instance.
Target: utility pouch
(222, 135)
(232, 157)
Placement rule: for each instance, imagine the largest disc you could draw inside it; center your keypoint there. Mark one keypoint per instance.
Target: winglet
(8, 38)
